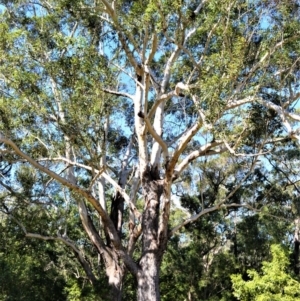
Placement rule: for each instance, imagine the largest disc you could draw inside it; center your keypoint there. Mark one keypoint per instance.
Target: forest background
(149, 150)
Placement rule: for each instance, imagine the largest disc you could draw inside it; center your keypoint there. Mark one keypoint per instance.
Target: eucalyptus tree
(106, 106)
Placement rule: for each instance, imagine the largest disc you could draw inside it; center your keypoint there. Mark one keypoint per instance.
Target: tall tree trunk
(152, 250)
(148, 278)
(116, 215)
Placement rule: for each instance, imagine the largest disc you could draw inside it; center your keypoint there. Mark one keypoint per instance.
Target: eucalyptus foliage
(111, 112)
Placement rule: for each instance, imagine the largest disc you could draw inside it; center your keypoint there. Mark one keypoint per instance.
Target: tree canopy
(128, 126)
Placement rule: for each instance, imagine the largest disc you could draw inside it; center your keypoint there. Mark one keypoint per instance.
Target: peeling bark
(152, 250)
(148, 279)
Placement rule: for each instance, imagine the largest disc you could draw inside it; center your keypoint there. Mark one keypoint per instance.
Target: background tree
(274, 284)
(109, 107)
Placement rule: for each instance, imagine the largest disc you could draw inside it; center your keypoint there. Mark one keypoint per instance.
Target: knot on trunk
(141, 114)
(152, 184)
(151, 173)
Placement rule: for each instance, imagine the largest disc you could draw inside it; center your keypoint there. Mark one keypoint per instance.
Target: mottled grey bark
(152, 249)
(148, 279)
